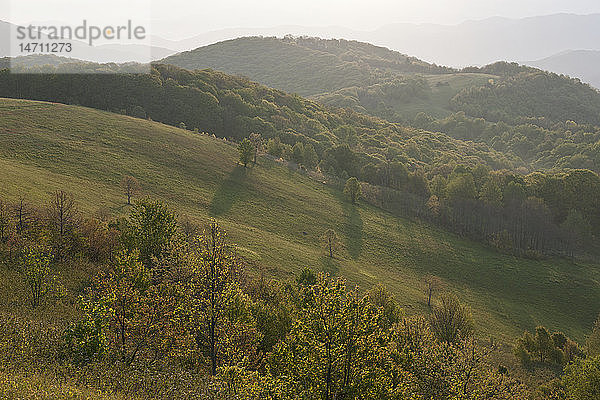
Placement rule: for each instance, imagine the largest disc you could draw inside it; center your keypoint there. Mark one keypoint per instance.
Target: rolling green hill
(233, 107)
(402, 98)
(394, 86)
(543, 120)
(307, 66)
(531, 94)
(277, 215)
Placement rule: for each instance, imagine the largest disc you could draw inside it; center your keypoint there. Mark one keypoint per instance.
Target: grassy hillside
(401, 99)
(277, 215)
(233, 107)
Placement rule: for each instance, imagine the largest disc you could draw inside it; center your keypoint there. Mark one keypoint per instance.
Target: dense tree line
(533, 94)
(539, 143)
(304, 65)
(552, 213)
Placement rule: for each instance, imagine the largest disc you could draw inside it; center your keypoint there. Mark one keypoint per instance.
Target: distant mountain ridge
(469, 43)
(478, 42)
(493, 39)
(113, 53)
(583, 64)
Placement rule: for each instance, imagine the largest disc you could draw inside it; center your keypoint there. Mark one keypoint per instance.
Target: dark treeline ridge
(171, 311)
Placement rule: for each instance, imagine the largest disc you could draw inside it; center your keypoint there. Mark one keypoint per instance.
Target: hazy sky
(185, 17)
(368, 14)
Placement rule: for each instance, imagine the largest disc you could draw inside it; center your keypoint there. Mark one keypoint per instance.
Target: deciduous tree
(130, 186)
(150, 227)
(140, 315)
(35, 270)
(219, 320)
(331, 242)
(246, 150)
(334, 348)
(63, 219)
(352, 189)
(257, 141)
(451, 321)
(432, 285)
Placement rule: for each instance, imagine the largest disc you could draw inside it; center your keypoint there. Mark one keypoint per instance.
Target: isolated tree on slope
(62, 218)
(331, 241)
(451, 321)
(353, 189)
(246, 150)
(257, 141)
(432, 285)
(130, 186)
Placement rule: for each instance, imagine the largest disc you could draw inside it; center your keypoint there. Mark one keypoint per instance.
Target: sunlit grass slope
(277, 216)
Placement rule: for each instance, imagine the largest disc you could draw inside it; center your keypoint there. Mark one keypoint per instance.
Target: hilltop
(307, 66)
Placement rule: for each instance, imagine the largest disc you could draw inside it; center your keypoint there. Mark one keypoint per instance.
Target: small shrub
(85, 339)
(35, 270)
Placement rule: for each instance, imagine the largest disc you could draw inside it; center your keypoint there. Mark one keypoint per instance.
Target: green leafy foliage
(534, 94)
(246, 150)
(545, 348)
(352, 189)
(582, 379)
(149, 228)
(86, 340)
(451, 321)
(283, 63)
(37, 275)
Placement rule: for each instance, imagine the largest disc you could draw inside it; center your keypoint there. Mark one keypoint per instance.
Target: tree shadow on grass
(330, 265)
(353, 228)
(232, 189)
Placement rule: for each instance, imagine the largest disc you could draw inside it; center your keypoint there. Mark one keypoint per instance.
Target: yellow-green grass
(37, 386)
(277, 216)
